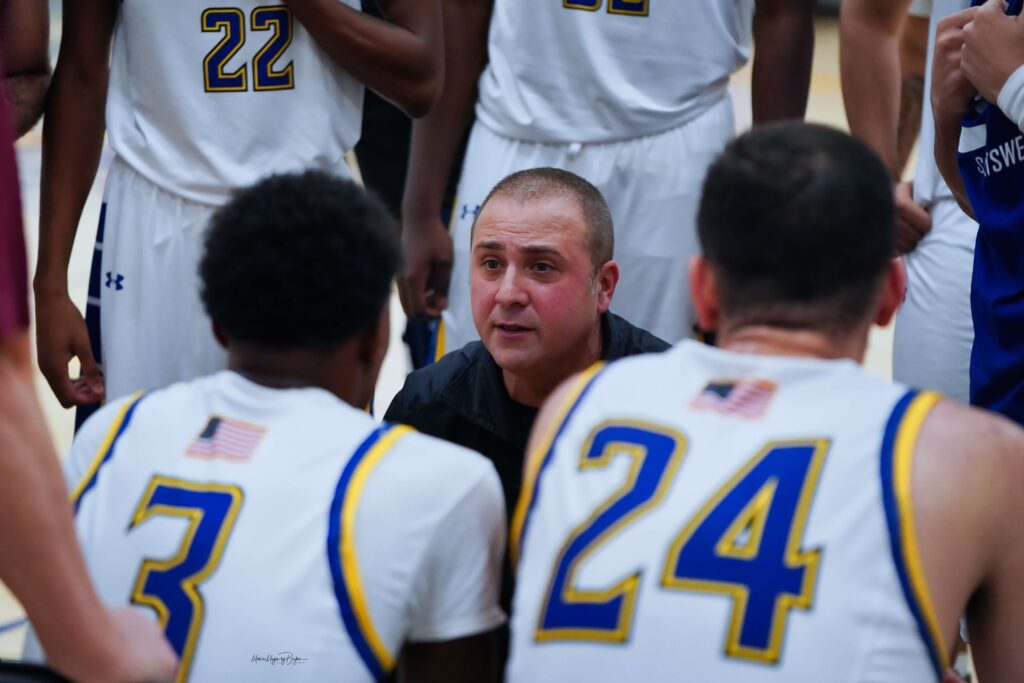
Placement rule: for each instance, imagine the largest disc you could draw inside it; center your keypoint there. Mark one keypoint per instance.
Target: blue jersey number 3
(171, 586)
(744, 543)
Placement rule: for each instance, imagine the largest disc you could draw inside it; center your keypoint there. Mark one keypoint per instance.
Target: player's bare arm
(967, 473)
(464, 660)
(436, 139)
(400, 59)
(26, 32)
(869, 41)
(82, 639)
(784, 42)
(951, 94)
(869, 35)
(72, 142)
(913, 57)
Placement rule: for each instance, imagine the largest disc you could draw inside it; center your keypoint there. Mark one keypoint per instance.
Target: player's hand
(951, 677)
(426, 267)
(60, 336)
(146, 656)
(912, 221)
(993, 48)
(951, 91)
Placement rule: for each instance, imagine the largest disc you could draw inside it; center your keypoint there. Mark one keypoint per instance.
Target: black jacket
(462, 398)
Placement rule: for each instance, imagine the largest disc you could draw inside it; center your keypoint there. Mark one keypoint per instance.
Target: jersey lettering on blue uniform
(991, 160)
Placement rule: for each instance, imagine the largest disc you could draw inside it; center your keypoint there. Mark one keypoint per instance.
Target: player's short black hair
(300, 260)
(797, 223)
(546, 183)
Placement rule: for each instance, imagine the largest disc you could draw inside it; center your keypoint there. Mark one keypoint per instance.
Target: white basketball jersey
(207, 97)
(701, 515)
(272, 529)
(601, 70)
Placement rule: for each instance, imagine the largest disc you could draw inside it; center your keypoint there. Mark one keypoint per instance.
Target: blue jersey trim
(359, 633)
(894, 520)
(105, 454)
(12, 625)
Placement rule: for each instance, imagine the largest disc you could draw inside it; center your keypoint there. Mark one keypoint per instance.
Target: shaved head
(553, 183)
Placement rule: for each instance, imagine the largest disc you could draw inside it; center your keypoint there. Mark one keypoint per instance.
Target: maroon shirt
(13, 267)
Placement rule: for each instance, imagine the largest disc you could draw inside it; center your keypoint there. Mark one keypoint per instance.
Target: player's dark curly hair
(301, 260)
(797, 223)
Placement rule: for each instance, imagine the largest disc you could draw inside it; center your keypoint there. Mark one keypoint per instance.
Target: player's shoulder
(424, 463)
(646, 363)
(974, 449)
(966, 428)
(440, 457)
(108, 413)
(158, 403)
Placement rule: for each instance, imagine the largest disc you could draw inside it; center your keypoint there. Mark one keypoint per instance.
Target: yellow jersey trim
(535, 460)
(906, 441)
(349, 560)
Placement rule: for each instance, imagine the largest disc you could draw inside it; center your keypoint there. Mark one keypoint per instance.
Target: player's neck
(298, 368)
(775, 341)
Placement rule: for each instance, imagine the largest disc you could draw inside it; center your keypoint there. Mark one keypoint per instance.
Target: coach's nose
(511, 291)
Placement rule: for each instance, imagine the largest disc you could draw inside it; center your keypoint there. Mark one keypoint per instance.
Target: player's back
(705, 515)
(605, 70)
(272, 528)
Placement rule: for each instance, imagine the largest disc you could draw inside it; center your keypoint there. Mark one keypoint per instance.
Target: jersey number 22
(231, 22)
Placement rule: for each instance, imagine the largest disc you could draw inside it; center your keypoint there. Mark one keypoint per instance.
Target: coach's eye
(491, 264)
(543, 267)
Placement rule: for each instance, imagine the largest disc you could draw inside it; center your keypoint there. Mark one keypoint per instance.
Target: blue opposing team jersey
(991, 159)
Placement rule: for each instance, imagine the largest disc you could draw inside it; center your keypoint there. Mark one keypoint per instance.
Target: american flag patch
(743, 398)
(228, 439)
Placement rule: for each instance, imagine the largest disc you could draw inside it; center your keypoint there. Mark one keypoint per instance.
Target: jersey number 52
(743, 543)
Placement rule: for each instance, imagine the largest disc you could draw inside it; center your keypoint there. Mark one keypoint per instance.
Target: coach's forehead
(541, 219)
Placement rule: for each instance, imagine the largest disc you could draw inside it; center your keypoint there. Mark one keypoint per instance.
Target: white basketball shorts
(934, 331)
(144, 314)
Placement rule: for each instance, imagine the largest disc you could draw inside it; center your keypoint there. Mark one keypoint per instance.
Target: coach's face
(535, 297)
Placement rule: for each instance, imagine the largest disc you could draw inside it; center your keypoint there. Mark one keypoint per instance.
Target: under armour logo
(466, 211)
(115, 281)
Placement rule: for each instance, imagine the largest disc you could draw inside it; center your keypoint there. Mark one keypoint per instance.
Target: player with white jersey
(933, 330)
(203, 98)
(630, 94)
(766, 510)
(265, 520)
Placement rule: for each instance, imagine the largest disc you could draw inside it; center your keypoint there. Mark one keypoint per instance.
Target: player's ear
(704, 293)
(220, 335)
(605, 279)
(894, 290)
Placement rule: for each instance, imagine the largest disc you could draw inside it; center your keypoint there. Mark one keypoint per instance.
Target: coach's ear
(704, 294)
(894, 290)
(220, 335)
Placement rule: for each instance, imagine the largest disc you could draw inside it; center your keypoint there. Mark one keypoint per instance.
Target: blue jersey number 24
(744, 543)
